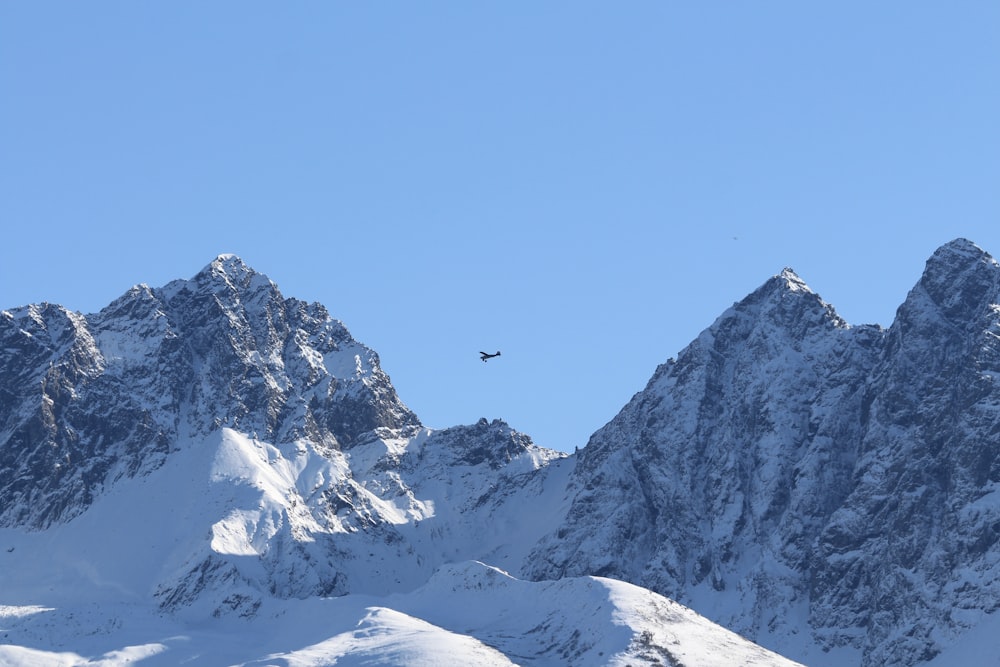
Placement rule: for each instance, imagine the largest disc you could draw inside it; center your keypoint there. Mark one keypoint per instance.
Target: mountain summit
(91, 399)
(211, 455)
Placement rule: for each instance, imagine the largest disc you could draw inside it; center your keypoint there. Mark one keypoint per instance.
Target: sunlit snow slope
(102, 588)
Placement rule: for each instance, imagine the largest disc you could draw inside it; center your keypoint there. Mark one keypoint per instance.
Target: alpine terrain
(212, 473)
(810, 484)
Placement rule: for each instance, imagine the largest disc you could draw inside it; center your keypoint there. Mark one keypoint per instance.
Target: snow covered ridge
(206, 460)
(467, 614)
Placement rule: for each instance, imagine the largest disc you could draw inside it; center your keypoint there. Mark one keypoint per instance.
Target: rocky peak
(792, 280)
(493, 443)
(294, 358)
(222, 349)
(959, 281)
(226, 283)
(228, 264)
(914, 527)
(784, 300)
(949, 320)
(226, 269)
(956, 257)
(701, 466)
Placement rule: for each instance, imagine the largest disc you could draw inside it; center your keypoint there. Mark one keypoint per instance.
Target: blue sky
(582, 185)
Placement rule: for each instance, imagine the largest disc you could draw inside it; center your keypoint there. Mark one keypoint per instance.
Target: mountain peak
(786, 298)
(779, 285)
(961, 277)
(955, 258)
(792, 281)
(229, 273)
(959, 248)
(230, 265)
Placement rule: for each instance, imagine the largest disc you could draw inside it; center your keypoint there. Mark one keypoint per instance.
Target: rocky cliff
(789, 474)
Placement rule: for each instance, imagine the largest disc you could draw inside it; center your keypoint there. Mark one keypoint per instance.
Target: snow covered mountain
(210, 473)
(828, 490)
(88, 400)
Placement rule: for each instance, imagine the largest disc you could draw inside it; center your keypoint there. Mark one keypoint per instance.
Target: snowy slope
(467, 614)
(103, 588)
(229, 520)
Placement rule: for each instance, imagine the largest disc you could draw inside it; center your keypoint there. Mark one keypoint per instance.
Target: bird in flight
(484, 355)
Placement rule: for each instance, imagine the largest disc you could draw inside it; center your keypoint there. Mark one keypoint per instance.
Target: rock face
(828, 490)
(86, 400)
(789, 473)
(715, 481)
(912, 551)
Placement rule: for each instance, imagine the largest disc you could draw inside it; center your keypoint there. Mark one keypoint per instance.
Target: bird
(485, 355)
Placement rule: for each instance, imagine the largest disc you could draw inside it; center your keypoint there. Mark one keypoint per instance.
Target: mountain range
(209, 472)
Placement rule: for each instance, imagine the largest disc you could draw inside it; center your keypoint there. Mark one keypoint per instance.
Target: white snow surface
(469, 614)
(90, 591)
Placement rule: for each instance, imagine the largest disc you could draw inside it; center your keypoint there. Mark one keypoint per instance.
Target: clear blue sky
(582, 185)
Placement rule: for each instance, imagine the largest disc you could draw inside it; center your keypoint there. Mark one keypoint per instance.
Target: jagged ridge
(803, 481)
(87, 400)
